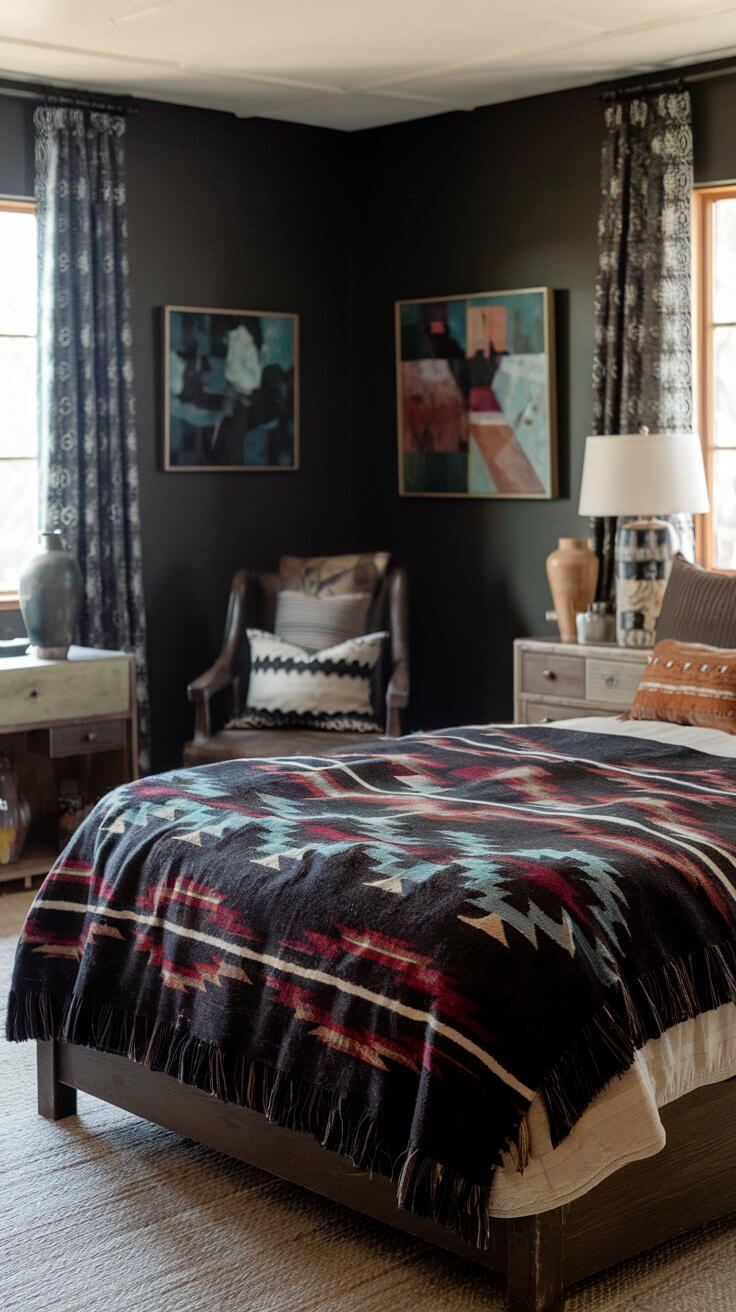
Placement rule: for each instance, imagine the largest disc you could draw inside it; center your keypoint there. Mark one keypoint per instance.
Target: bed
(480, 984)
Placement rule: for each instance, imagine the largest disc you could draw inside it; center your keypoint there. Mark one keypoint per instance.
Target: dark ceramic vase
(50, 593)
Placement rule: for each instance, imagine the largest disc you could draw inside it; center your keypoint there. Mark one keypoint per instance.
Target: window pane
(18, 435)
(723, 498)
(724, 386)
(17, 272)
(724, 261)
(18, 516)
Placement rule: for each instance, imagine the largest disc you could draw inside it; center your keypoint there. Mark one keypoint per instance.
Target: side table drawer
(546, 712)
(64, 690)
(94, 736)
(612, 681)
(553, 675)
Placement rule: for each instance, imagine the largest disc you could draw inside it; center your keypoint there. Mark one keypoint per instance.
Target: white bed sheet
(623, 1123)
(712, 741)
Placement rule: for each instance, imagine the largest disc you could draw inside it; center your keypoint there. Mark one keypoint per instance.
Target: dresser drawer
(553, 675)
(612, 681)
(546, 712)
(63, 690)
(92, 736)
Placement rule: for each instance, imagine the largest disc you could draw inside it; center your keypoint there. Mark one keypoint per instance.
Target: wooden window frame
(704, 199)
(9, 596)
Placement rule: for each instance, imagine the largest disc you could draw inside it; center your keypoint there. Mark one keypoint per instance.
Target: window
(715, 373)
(18, 429)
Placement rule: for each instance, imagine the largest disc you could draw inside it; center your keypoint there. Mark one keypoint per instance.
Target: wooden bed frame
(693, 1180)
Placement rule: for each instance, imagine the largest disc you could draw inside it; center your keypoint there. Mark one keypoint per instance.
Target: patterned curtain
(642, 369)
(89, 474)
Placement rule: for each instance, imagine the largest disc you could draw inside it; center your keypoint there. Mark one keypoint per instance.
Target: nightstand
(61, 723)
(556, 680)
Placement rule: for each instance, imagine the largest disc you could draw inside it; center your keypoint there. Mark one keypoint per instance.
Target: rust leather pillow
(689, 683)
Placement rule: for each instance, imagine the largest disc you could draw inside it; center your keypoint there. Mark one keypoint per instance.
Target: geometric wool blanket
(396, 949)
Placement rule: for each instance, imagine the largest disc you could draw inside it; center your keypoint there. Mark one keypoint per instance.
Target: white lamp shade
(643, 474)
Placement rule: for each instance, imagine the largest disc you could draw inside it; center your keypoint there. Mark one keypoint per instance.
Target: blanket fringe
(424, 1186)
(605, 1047)
(676, 991)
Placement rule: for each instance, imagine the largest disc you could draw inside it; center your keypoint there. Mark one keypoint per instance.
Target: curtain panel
(89, 472)
(642, 368)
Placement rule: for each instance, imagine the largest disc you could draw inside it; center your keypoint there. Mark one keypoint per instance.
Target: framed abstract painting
(231, 389)
(475, 379)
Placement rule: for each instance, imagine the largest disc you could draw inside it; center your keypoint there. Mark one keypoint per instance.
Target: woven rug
(106, 1213)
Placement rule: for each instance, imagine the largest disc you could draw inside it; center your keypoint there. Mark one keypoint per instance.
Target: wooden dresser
(556, 680)
(69, 727)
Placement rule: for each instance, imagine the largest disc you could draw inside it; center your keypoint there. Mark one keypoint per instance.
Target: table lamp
(642, 475)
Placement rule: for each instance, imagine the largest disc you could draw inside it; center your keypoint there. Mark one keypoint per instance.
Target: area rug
(106, 1213)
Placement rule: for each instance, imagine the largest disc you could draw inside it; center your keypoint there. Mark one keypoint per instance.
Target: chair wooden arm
(217, 677)
(397, 692)
(223, 673)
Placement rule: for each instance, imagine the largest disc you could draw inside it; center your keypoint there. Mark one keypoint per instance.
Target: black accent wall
(502, 198)
(242, 214)
(264, 215)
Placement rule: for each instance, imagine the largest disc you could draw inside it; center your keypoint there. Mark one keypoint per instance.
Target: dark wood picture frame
(548, 322)
(691, 1181)
(171, 467)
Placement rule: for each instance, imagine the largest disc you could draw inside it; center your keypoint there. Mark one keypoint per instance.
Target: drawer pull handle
(612, 681)
(90, 737)
(35, 692)
(549, 674)
(545, 719)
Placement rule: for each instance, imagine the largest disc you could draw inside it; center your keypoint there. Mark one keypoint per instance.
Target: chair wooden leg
(55, 1100)
(534, 1273)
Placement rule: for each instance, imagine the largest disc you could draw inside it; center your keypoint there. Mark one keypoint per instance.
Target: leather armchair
(252, 604)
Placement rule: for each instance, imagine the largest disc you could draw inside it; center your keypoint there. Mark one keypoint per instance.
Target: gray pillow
(698, 606)
(317, 622)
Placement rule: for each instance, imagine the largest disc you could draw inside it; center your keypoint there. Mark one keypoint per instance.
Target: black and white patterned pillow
(291, 687)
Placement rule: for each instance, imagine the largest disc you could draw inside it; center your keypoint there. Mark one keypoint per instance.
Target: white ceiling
(353, 63)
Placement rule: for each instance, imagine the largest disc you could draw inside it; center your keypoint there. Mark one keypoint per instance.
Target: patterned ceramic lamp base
(644, 552)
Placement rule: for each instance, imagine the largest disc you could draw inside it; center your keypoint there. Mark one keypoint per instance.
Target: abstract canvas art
(231, 395)
(475, 391)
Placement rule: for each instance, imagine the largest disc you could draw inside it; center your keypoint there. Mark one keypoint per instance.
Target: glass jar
(596, 624)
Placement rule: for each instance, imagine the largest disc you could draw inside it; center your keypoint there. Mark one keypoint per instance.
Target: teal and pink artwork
(475, 380)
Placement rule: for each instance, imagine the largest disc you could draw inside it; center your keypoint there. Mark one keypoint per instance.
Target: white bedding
(623, 1124)
(712, 741)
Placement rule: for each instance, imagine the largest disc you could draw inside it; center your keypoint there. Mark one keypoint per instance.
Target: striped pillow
(290, 687)
(698, 606)
(689, 683)
(317, 622)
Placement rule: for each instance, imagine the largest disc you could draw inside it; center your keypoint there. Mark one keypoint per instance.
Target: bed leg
(55, 1100)
(535, 1253)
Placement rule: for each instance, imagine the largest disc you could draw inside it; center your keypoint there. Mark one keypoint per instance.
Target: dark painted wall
(255, 214)
(503, 197)
(500, 198)
(251, 215)
(244, 214)
(16, 147)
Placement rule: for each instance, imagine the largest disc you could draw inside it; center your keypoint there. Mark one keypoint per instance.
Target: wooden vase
(572, 573)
